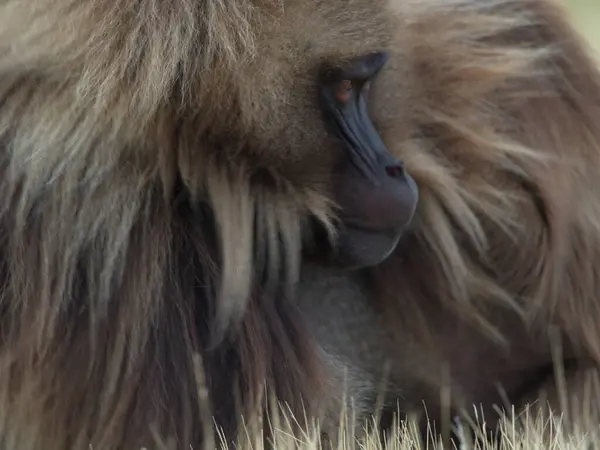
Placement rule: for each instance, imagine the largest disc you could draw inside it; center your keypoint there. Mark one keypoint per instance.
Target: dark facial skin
(376, 195)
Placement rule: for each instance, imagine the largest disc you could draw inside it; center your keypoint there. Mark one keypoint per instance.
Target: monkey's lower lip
(360, 247)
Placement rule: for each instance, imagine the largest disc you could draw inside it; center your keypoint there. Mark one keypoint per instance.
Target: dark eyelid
(361, 68)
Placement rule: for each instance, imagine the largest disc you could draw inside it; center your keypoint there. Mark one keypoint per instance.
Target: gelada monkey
(166, 164)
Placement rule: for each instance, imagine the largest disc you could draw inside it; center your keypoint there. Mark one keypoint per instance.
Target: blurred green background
(586, 14)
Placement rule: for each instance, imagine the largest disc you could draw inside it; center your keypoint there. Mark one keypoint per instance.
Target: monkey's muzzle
(376, 196)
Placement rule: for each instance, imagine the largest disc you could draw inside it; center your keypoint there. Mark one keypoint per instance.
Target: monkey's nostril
(395, 171)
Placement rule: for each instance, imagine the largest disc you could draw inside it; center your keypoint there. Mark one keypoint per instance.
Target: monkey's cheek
(358, 248)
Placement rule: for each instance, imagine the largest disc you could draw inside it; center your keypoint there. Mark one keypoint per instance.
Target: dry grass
(586, 14)
(526, 432)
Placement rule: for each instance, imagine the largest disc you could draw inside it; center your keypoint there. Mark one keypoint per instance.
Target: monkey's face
(297, 109)
(332, 143)
(376, 196)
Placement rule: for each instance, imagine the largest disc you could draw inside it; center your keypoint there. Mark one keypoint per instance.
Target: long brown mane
(507, 159)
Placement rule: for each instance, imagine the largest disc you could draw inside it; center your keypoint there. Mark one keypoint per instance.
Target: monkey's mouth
(358, 247)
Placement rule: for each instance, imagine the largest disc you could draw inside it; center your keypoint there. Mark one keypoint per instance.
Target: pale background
(587, 14)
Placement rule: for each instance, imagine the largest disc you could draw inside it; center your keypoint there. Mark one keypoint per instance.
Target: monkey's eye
(343, 91)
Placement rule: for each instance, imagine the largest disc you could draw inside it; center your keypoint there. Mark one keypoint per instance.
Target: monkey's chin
(359, 248)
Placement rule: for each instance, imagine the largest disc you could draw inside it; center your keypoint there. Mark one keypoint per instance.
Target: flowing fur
(159, 159)
(502, 264)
